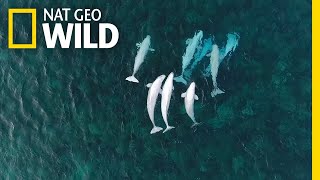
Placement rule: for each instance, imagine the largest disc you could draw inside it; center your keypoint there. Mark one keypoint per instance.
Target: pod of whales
(197, 51)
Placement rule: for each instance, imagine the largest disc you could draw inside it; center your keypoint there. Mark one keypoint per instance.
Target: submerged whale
(154, 90)
(167, 89)
(144, 47)
(214, 62)
(189, 97)
(193, 44)
(203, 51)
(226, 51)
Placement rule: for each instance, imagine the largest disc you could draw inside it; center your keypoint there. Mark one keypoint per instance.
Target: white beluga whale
(193, 44)
(154, 90)
(167, 89)
(189, 97)
(144, 47)
(226, 51)
(214, 62)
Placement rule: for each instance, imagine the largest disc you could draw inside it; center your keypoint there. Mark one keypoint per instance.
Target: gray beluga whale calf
(167, 89)
(144, 47)
(189, 97)
(214, 62)
(154, 90)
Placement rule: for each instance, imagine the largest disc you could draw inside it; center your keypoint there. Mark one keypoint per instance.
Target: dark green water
(69, 113)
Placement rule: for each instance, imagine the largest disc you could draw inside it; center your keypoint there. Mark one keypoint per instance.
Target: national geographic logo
(80, 31)
(33, 44)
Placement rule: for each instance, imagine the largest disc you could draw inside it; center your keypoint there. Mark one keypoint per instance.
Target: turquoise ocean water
(70, 114)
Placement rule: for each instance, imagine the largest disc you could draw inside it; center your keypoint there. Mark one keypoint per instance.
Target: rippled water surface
(70, 114)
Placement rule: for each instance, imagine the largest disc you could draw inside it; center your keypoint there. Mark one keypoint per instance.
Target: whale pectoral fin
(152, 50)
(138, 45)
(160, 92)
(183, 95)
(208, 55)
(188, 41)
(196, 97)
(172, 87)
(149, 85)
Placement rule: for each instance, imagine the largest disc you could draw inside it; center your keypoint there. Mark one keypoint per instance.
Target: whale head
(200, 34)
(170, 76)
(148, 37)
(146, 42)
(193, 85)
(162, 77)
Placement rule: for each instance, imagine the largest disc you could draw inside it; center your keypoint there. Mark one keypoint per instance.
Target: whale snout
(171, 75)
(162, 76)
(200, 34)
(193, 85)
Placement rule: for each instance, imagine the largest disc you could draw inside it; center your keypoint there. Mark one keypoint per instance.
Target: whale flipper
(132, 79)
(168, 128)
(149, 85)
(188, 41)
(216, 92)
(155, 129)
(180, 79)
(183, 95)
(196, 97)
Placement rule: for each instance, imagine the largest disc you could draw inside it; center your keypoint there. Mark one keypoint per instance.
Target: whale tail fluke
(195, 124)
(180, 79)
(168, 128)
(216, 92)
(132, 79)
(155, 129)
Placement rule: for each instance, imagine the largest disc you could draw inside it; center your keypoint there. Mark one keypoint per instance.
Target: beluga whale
(214, 62)
(154, 90)
(167, 89)
(144, 47)
(189, 97)
(192, 45)
(203, 51)
(226, 51)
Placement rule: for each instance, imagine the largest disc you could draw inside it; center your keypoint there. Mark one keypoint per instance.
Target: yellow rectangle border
(33, 13)
(315, 90)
